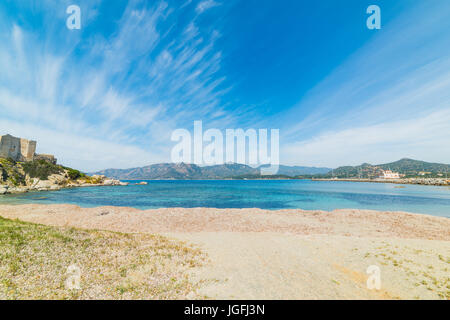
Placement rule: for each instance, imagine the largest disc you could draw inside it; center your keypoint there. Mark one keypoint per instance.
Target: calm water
(304, 194)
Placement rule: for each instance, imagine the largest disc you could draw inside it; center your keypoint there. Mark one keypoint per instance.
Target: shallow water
(265, 194)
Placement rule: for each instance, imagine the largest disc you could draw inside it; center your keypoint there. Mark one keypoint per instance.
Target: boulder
(109, 182)
(3, 189)
(58, 179)
(20, 189)
(114, 182)
(44, 184)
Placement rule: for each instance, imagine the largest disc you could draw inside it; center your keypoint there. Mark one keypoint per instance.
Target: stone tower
(17, 148)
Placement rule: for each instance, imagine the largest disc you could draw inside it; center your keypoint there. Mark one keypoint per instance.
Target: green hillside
(408, 167)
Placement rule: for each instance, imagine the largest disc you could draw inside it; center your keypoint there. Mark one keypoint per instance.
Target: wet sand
(287, 254)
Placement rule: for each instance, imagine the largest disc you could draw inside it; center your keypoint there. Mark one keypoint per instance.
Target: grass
(433, 277)
(34, 261)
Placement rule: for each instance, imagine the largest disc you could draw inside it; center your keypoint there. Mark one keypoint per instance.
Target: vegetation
(34, 261)
(75, 174)
(413, 167)
(41, 169)
(91, 180)
(11, 172)
(408, 167)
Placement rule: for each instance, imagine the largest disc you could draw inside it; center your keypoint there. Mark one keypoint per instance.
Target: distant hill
(156, 171)
(408, 167)
(185, 171)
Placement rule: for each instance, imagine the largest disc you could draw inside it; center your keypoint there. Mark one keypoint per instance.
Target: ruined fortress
(21, 150)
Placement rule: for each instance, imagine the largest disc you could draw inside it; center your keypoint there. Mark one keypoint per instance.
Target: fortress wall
(27, 149)
(10, 147)
(4, 150)
(16, 148)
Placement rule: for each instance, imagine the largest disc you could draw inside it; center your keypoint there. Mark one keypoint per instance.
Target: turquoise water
(265, 194)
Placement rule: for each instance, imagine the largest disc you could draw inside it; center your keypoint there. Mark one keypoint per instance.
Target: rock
(18, 189)
(44, 184)
(143, 183)
(109, 182)
(114, 182)
(4, 189)
(57, 179)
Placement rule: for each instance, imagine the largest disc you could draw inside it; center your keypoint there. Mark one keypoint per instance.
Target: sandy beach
(286, 254)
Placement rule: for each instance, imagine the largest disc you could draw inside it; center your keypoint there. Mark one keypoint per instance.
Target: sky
(110, 94)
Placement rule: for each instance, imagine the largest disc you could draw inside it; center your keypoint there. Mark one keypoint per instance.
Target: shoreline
(25, 189)
(8, 190)
(284, 254)
(409, 181)
(56, 185)
(204, 219)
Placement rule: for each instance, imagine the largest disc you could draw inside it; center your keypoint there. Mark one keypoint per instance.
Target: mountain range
(185, 171)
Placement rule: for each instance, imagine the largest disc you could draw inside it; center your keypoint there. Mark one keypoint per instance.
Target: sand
(287, 254)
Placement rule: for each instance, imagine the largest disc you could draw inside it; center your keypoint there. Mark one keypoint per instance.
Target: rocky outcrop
(15, 178)
(3, 189)
(109, 182)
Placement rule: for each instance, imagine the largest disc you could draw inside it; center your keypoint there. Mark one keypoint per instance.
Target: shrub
(3, 174)
(41, 169)
(74, 174)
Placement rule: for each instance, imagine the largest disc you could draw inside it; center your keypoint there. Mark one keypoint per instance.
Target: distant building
(388, 174)
(20, 149)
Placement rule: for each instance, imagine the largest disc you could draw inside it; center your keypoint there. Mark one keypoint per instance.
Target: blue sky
(110, 94)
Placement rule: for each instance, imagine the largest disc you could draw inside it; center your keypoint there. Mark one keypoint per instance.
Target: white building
(388, 174)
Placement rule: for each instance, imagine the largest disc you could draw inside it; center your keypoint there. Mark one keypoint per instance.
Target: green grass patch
(34, 261)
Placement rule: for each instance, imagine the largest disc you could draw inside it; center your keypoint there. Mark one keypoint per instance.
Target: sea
(264, 194)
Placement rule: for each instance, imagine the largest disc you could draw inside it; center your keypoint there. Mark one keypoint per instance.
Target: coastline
(354, 222)
(414, 181)
(48, 185)
(285, 254)
(56, 184)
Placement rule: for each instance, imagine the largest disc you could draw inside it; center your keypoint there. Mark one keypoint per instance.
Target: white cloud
(424, 137)
(82, 151)
(379, 105)
(205, 5)
(92, 109)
